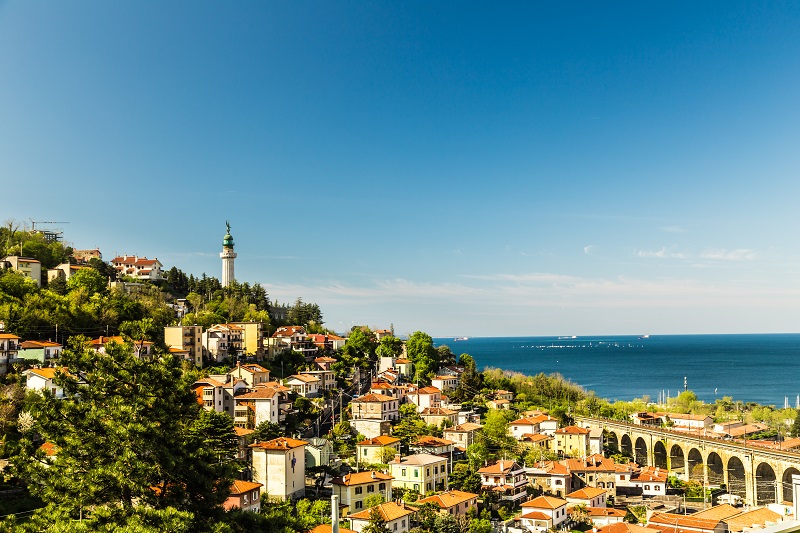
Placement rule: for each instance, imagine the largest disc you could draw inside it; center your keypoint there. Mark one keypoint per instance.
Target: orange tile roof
(624, 527)
(586, 493)
(754, 517)
(448, 499)
(381, 440)
(281, 443)
(500, 467)
(39, 344)
(678, 520)
(389, 511)
(306, 378)
(327, 528)
(374, 397)
(572, 430)
(437, 411)
(428, 440)
(718, 512)
(466, 426)
(536, 515)
(359, 478)
(545, 502)
(402, 361)
(605, 511)
(240, 487)
(526, 421)
(428, 390)
(8, 336)
(47, 373)
(242, 432)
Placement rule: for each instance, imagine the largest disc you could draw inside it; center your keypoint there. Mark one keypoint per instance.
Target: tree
(465, 477)
(445, 355)
(419, 347)
(267, 431)
(795, 431)
(390, 346)
(132, 443)
(373, 499)
(89, 279)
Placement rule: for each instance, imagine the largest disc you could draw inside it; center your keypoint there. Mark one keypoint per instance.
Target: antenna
(685, 388)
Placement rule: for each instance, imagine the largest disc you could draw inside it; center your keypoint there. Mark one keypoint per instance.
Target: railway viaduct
(759, 475)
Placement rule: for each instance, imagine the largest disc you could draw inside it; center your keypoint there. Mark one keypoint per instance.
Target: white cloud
(589, 248)
(741, 254)
(662, 253)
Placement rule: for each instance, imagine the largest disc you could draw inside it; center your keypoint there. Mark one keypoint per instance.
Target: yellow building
(188, 338)
(422, 472)
(370, 451)
(571, 440)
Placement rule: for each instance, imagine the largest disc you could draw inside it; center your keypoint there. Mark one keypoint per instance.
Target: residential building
(424, 397)
(222, 341)
(319, 452)
(27, 266)
(445, 382)
(523, 426)
(252, 338)
(552, 477)
(432, 445)
(252, 374)
(543, 513)
(498, 404)
(63, 271)
(435, 416)
(326, 379)
(328, 528)
(404, 367)
(506, 478)
(217, 392)
(9, 348)
(537, 441)
(84, 256)
(652, 480)
(603, 516)
(678, 522)
(571, 440)
(141, 348)
(646, 419)
(682, 421)
(588, 497)
(324, 362)
(41, 379)
(245, 438)
(244, 495)
(44, 351)
(352, 489)
(395, 516)
(295, 339)
(376, 449)
(462, 435)
(596, 441)
(188, 339)
(504, 395)
(305, 385)
(386, 389)
(625, 527)
(454, 502)
(376, 406)
(594, 470)
(137, 267)
(279, 464)
(422, 472)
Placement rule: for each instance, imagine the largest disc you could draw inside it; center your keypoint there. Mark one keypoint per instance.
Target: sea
(761, 368)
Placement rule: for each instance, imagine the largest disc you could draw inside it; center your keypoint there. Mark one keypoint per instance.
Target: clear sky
(461, 168)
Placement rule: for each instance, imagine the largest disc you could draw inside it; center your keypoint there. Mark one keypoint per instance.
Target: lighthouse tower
(227, 255)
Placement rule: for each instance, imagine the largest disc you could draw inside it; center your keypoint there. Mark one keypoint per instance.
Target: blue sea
(762, 368)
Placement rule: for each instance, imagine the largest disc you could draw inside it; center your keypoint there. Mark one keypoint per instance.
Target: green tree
(795, 431)
(376, 523)
(373, 499)
(267, 431)
(390, 346)
(131, 441)
(465, 477)
(420, 350)
(89, 279)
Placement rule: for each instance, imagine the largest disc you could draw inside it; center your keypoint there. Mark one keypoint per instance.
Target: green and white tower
(227, 255)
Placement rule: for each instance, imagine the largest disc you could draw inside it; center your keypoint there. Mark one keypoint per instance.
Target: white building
(280, 465)
(543, 513)
(395, 516)
(138, 267)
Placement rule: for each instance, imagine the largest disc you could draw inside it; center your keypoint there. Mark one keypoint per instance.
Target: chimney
(397, 458)
(334, 514)
(373, 474)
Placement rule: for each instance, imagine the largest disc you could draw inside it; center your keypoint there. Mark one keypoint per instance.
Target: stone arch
(695, 465)
(660, 455)
(736, 477)
(677, 460)
(612, 442)
(625, 445)
(716, 470)
(641, 452)
(765, 484)
(788, 495)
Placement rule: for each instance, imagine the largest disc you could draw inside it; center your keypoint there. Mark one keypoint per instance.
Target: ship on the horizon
(645, 336)
(461, 339)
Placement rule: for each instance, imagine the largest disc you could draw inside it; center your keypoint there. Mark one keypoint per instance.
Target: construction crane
(51, 235)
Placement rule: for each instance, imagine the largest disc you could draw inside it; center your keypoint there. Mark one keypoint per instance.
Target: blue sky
(459, 168)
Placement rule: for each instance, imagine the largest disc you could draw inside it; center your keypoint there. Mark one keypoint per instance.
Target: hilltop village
(138, 400)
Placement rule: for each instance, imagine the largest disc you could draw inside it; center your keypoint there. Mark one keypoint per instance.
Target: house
(305, 385)
(353, 489)
(27, 266)
(217, 392)
(432, 445)
(571, 440)
(652, 480)
(42, 350)
(280, 464)
(377, 449)
(319, 452)
(63, 271)
(422, 472)
(506, 478)
(543, 513)
(498, 404)
(596, 441)
(424, 397)
(376, 407)
(646, 419)
(588, 497)
(435, 416)
(594, 470)
(137, 267)
(141, 348)
(9, 347)
(462, 435)
(537, 440)
(396, 517)
(252, 338)
(386, 389)
(261, 404)
(244, 495)
(524, 426)
(679, 522)
(324, 362)
(504, 395)
(624, 527)
(404, 367)
(552, 477)
(221, 341)
(245, 438)
(603, 516)
(753, 519)
(295, 339)
(454, 502)
(252, 374)
(445, 382)
(188, 338)
(681, 421)
(41, 379)
(325, 378)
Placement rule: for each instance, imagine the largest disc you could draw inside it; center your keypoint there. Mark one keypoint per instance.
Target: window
(365, 452)
(395, 526)
(427, 471)
(647, 487)
(370, 488)
(435, 469)
(359, 490)
(382, 486)
(416, 472)
(359, 505)
(416, 486)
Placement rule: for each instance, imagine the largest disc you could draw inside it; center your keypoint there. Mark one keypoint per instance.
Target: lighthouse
(227, 255)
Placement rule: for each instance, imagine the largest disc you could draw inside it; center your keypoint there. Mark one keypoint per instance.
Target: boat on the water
(461, 339)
